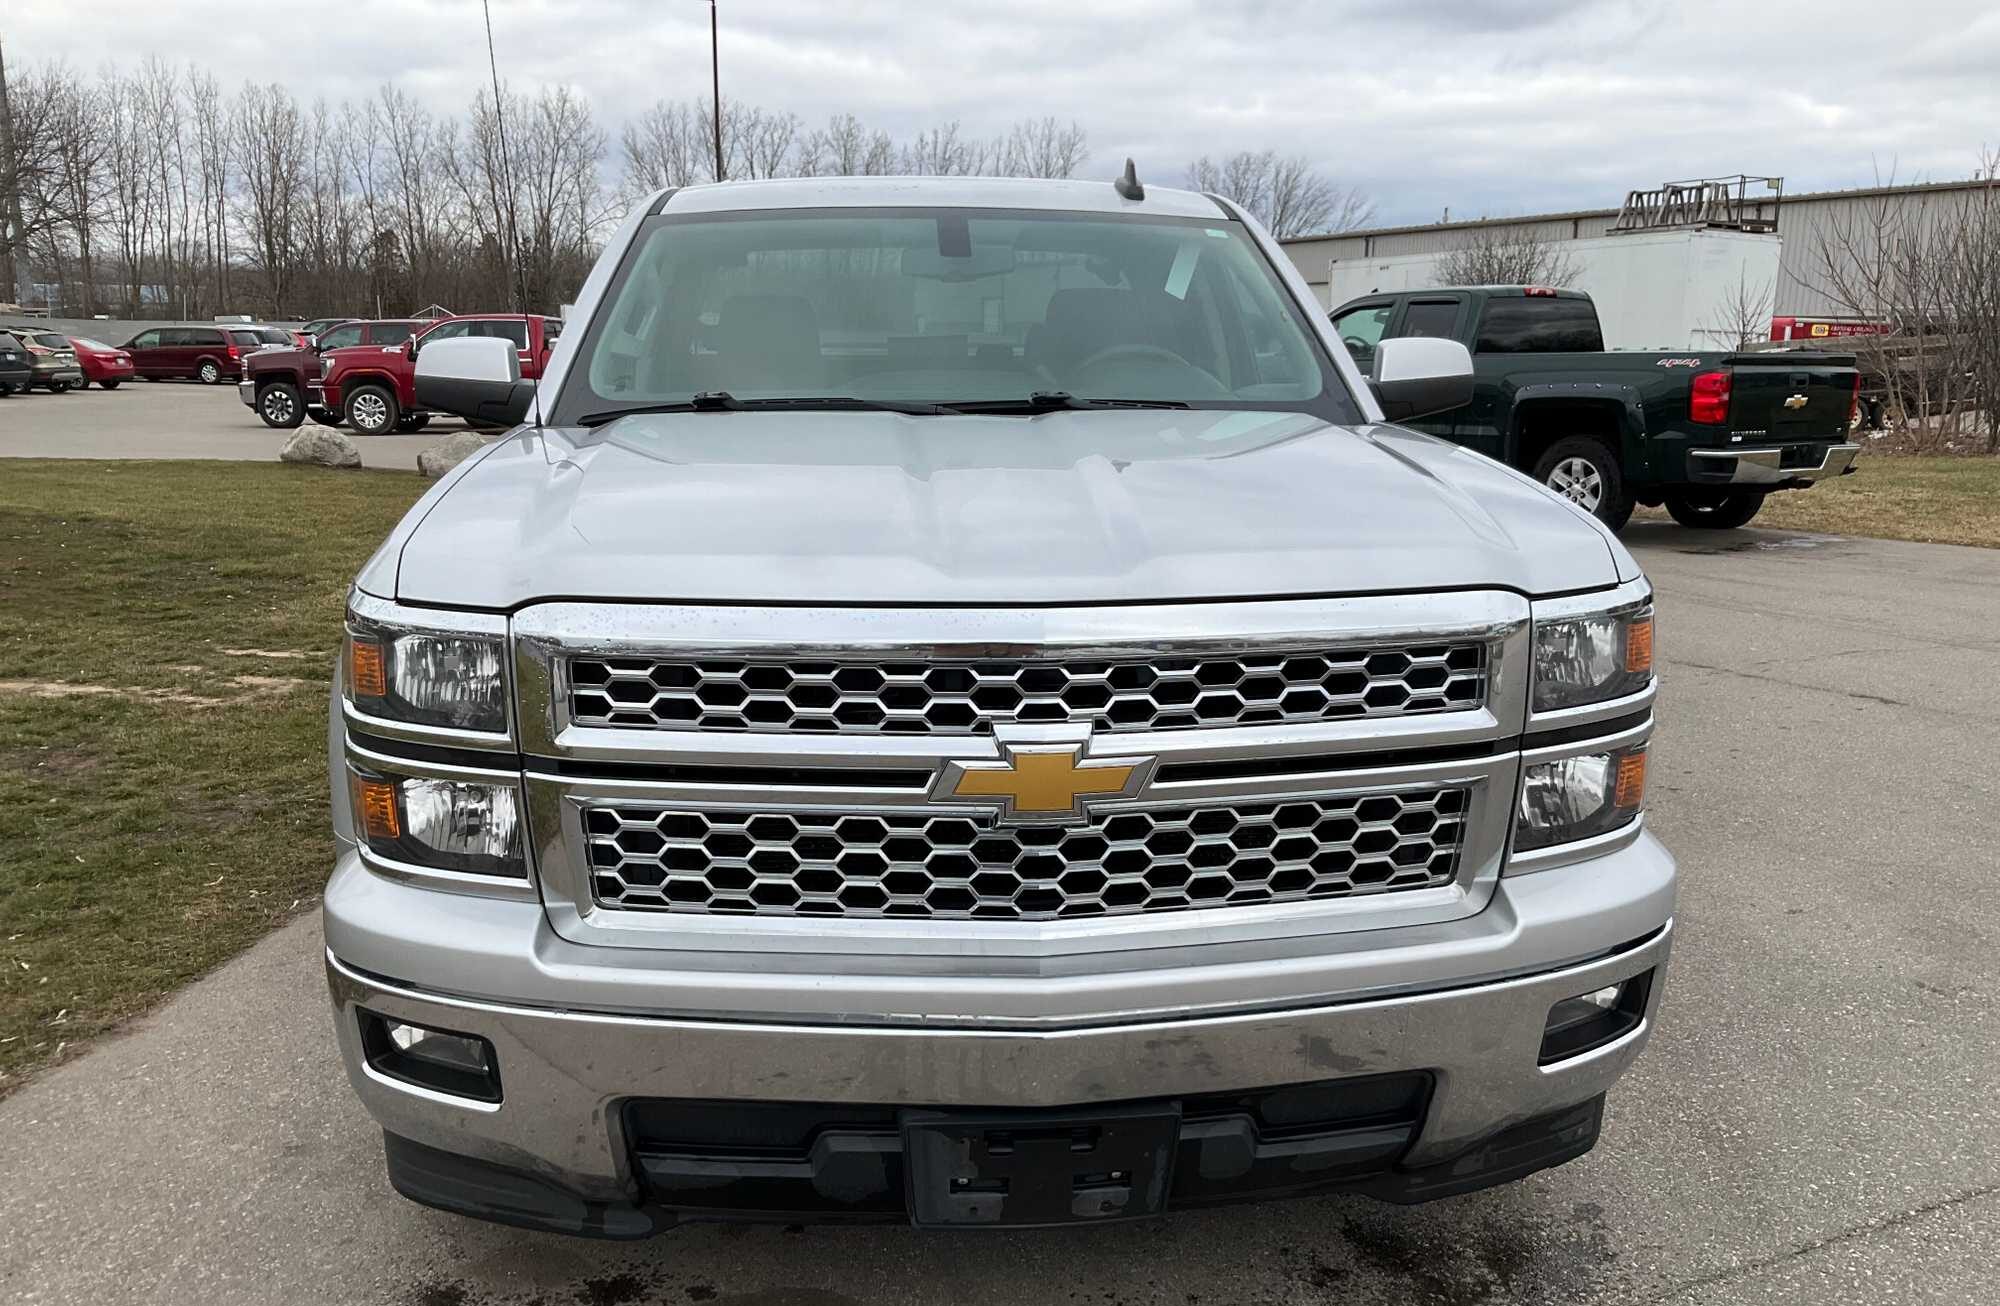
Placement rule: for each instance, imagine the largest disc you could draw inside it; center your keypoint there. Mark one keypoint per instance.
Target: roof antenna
(513, 254)
(1128, 186)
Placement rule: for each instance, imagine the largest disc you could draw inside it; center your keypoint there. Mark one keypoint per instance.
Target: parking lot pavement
(1813, 1123)
(170, 419)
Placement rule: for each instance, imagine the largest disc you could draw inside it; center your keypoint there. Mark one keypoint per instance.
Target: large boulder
(320, 447)
(449, 453)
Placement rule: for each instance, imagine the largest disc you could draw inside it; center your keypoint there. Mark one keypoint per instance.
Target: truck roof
(930, 192)
(1541, 292)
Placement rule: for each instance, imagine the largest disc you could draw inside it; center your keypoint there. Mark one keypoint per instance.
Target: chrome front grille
(969, 697)
(805, 862)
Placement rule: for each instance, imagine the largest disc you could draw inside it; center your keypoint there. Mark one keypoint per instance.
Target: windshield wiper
(721, 401)
(1049, 401)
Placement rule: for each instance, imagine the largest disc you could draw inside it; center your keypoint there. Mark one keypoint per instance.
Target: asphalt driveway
(1815, 1121)
(171, 419)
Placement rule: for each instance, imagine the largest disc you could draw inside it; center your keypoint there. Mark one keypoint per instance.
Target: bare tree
(1506, 256)
(34, 202)
(1928, 269)
(271, 146)
(760, 143)
(940, 152)
(1040, 147)
(1284, 193)
(211, 155)
(665, 146)
(77, 124)
(1744, 316)
(844, 148)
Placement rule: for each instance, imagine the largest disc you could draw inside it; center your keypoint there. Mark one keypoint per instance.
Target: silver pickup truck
(951, 705)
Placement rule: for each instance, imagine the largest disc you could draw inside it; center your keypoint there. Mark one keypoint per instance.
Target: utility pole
(10, 193)
(715, 76)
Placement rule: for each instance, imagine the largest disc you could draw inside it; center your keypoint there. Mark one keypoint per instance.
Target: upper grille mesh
(971, 697)
(913, 864)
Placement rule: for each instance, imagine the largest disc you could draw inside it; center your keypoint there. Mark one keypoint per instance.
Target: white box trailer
(1672, 289)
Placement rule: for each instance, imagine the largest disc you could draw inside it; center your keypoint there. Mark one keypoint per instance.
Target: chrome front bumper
(1760, 467)
(247, 392)
(1466, 1001)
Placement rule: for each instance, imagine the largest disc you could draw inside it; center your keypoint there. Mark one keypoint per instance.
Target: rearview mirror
(474, 377)
(1415, 376)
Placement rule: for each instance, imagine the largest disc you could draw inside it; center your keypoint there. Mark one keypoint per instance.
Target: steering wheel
(1143, 353)
(1356, 345)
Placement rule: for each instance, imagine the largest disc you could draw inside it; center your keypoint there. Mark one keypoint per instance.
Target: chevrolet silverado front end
(890, 742)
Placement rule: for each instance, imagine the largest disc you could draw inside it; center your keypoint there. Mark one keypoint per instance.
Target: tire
(1583, 470)
(324, 418)
(110, 385)
(411, 423)
(372, 410)
(281, 406)
(209, 373)
(1714, 510)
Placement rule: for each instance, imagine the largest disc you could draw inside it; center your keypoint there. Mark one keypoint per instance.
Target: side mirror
(474, 377)
(1415, 376)
(410, 349)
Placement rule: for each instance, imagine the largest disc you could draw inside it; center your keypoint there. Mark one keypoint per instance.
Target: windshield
(948, 306)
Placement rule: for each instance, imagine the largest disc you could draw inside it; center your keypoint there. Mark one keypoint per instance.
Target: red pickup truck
(275, 381)
(373, 387)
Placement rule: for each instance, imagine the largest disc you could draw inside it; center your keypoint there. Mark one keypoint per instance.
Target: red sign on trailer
(1824, 328)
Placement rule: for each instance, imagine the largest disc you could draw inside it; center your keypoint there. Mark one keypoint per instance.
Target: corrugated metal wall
(1810, 225)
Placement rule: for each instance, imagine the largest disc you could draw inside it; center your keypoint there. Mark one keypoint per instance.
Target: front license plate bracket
(1015, 1169)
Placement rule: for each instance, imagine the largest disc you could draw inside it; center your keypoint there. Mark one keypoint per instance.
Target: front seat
(768, 342)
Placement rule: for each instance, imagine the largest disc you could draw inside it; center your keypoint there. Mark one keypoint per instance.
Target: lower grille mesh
(913, 864)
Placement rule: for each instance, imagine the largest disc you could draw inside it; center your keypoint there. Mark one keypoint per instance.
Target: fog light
(1604, 999)
(1590, 1020)
(462, 1065)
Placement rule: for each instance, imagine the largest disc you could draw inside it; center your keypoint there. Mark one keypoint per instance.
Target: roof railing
(1737, 203)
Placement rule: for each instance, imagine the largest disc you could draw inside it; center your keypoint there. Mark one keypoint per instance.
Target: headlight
(433, 679)
(452, 825)
(1592, 658)
(1578, 797)
(325, 366)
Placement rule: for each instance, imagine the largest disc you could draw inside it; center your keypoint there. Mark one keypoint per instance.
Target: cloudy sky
(1490, 107)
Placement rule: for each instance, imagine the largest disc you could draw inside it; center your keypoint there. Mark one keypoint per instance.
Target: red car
(374, 387)
(103, 364)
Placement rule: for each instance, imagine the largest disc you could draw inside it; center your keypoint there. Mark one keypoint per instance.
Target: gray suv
(952, 704)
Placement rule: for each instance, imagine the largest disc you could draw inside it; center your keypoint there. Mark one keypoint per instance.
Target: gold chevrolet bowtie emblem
(1043, 777)
(1796, 401)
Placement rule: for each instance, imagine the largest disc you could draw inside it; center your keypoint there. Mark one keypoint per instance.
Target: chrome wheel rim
(1579, 482)
(278, 405)
(210, 372)
(370, 413)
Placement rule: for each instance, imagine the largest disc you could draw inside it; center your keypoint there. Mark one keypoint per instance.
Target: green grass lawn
(1932, 500)
(166, 633)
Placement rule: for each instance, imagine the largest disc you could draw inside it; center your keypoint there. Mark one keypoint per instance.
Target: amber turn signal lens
(1631, 790)
(1639, 646)
(366, 675)
(375, 808)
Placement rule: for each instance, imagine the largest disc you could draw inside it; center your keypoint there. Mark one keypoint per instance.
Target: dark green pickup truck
(1706, 434)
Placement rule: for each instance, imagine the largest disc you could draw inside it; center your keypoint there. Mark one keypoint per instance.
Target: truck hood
(1101, 506)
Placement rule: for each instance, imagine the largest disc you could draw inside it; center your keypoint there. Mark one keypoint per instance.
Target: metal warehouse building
(1803, 222)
